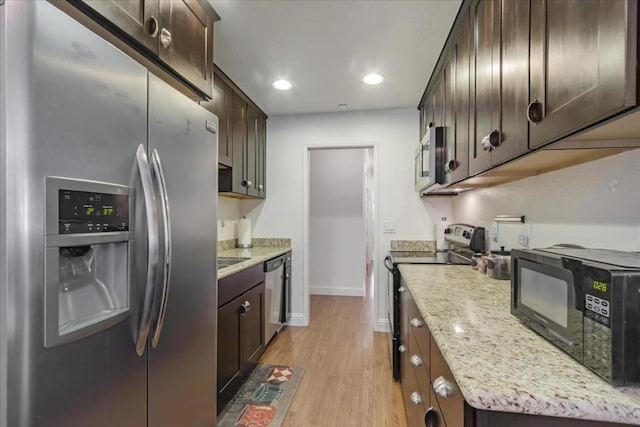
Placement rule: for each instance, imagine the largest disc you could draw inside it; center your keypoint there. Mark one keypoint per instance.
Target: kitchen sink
(227, 262)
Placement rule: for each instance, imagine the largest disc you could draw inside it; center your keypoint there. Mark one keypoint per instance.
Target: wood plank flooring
(348, 381)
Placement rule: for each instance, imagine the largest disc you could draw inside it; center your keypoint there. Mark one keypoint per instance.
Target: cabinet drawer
(448, 395)
(419, 329)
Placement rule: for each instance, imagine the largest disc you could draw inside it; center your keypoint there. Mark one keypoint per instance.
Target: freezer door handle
(166, 266)
(142, 163)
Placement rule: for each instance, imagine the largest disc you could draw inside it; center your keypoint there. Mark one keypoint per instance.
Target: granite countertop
(255, 256)
(498, 363)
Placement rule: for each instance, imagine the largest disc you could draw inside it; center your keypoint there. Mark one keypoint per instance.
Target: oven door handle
(388, 263)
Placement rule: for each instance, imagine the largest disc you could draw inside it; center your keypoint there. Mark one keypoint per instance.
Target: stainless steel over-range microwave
(584, 301)
(430, 160)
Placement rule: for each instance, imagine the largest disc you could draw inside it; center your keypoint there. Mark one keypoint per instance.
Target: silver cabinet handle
(416, 360)
(152, 26)
(165, 38)
(260, 187)
(416, 323)
(166, 226)
(247, 183)
(415, 398)
(401, 289)
(153, 255)
(245, 307)
(443, 387)
(402, 348)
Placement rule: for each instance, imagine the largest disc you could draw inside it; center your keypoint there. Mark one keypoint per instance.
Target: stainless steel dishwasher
(274, 270)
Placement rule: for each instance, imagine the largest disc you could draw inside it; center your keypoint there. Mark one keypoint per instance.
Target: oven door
(544, 297)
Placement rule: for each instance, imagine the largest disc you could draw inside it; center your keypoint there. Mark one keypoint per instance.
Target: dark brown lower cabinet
(240, 341)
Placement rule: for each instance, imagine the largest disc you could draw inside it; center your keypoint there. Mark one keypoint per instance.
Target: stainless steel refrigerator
(108, 187)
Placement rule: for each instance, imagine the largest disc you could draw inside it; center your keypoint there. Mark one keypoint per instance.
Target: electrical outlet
(389, 227)
(525, 235)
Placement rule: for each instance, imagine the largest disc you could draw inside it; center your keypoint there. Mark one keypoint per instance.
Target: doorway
(340, 221)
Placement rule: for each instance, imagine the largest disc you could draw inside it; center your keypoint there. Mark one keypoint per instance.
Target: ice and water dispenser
(88, 249)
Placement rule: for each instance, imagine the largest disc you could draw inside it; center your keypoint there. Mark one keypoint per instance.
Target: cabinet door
(582, 64)
(221, 106)
(252, 326)
(514, 78)
(239, 144)
(439, 102)
(462, 51)
(136, 18)
(186, 41)
(486, 85)
(253, 116)
(229, 345)
(262, 157)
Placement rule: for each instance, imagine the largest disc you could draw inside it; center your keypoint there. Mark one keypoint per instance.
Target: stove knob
(447, 230)
(466, 235)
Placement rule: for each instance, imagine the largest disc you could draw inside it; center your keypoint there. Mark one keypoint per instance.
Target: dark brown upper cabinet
(583, 64)
(457, 86)
(242, 140)
(500, 86)
(221, 106)
(136, 18)
(186, 41)
(177, 35)
(239, 131)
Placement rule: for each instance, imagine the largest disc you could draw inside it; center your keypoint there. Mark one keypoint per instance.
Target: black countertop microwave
(584, 301)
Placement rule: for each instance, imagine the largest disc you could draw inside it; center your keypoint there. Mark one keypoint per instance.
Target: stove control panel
(466, 236)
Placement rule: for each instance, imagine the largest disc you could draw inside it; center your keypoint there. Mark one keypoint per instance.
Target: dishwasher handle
(273, 264)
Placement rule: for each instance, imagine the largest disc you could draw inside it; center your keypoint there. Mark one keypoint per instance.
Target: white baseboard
(382, 325)
(298, 320)
(343, 292)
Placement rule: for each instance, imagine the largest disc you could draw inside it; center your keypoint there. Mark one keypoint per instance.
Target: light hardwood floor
(348, 381)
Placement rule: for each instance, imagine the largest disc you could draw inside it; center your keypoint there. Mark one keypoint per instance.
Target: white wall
(336, 222)
(394, 136)
(228, 216)
(595, 204)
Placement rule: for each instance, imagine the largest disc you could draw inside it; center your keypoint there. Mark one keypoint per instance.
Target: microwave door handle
(153, 255)
(577, 273)
(166, 221)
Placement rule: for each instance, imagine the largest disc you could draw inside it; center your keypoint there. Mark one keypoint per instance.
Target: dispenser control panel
(90, 212)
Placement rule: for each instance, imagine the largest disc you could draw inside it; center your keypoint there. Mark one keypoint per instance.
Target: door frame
(306, 199)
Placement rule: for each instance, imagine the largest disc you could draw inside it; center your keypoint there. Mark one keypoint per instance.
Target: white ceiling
(325, 47)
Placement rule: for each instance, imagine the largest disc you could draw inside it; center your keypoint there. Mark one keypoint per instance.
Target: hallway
(348, 380)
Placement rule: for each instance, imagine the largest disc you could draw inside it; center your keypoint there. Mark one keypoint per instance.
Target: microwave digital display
(545, 294)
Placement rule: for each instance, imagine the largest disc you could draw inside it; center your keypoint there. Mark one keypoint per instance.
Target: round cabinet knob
(165, 38)
(534, 112)
(260, 187)
(443, 387)
(415, 398)
(245, 307)
(152, 26)
(431, 418)
(491, 141)
(288, 276)
(416, 323)
(402, 348)
(401, 289)
(416, 360)
(450, 166)
(247, 183)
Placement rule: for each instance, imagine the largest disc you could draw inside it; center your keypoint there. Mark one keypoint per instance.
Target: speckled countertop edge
(254, 256)
(498, 363)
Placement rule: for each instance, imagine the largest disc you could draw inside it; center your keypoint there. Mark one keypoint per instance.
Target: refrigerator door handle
(153, 257)
(166, 220)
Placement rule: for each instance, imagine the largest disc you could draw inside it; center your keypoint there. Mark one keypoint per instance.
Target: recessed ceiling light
(373, 79)
(282, 85)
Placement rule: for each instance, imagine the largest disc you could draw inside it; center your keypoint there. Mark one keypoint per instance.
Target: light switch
(389, 227)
